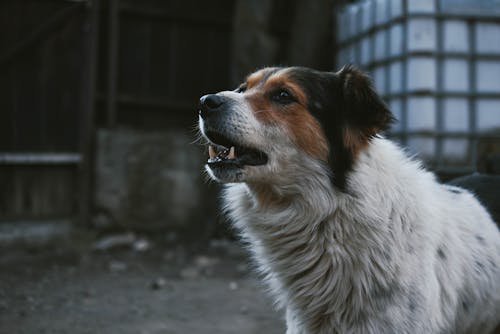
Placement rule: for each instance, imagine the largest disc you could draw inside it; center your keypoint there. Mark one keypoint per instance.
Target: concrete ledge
(34, 233)
(152, 181)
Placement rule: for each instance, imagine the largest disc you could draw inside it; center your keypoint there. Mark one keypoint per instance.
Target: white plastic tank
(437, 64)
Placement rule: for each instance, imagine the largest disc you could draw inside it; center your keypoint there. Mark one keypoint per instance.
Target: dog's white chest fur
(396, 253)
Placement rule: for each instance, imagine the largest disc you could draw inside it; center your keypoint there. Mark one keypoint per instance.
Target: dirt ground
(137, 288)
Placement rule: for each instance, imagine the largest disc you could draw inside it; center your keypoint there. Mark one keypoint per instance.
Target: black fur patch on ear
(349, 110)
(363, 108)
(361, 114)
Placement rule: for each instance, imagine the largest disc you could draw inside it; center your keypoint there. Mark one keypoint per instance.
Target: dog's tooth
(232, 154)
(211, 152)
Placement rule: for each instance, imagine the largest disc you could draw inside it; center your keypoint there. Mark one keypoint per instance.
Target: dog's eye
(241, 89)
(282, 96)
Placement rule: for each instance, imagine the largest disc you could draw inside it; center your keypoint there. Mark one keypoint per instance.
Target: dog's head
(281, 120)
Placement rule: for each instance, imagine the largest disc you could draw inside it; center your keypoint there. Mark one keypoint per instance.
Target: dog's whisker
(199, 140)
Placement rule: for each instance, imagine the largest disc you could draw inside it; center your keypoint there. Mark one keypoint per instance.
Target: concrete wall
(153, 181)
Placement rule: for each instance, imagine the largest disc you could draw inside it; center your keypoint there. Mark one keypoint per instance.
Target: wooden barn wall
(37, 192)
(41, 82)
(40, 86)
(168, 53)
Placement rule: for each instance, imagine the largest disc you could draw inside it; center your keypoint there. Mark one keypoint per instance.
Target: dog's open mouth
(224, 152)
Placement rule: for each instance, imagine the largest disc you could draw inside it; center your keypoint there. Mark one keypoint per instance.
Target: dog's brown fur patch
(354, 140)
(304, 129)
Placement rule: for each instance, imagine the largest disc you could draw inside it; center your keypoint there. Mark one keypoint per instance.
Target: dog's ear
(363, 110)
(354, 114)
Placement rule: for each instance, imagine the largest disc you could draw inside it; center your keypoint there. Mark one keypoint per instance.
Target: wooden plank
(190, 13)
(37, 192)
(160, 104)
(38, 33)
(87, 130)
(36, 158)
(133, 59)
(114, 36)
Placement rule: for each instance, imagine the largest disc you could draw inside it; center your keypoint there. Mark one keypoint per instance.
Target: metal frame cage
(437, 64)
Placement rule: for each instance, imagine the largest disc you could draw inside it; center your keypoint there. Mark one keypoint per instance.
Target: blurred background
(98, 158)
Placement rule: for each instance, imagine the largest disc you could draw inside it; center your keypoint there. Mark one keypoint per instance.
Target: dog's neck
(310, 193)
(308, 236)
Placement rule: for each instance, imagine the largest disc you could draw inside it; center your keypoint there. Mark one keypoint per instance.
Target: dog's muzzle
(226, 148)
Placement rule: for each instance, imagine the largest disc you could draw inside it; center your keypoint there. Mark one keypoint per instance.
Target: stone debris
(142, 245)
(158, 283)
(233, 286)
(190, 273)
(205, 261)
(124, 240)
(114, 241)
(117, 266)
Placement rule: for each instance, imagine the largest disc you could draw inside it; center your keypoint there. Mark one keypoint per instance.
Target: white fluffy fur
(396, 253)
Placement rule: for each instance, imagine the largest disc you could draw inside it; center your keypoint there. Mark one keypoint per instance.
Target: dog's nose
(209, 103)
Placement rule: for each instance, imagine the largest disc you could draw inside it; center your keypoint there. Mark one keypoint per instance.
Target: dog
(351, 234)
